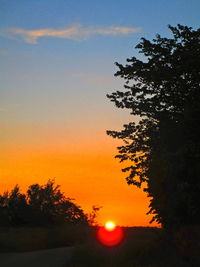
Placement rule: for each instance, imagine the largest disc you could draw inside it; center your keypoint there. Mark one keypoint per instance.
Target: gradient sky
(56, 67)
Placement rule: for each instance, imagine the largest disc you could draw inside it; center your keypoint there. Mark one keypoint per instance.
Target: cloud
(74, 32)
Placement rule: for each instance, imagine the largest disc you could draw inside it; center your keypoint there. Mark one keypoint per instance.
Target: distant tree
(163, 149)
(92, 216)
(52, 205)
(41, 205)
(4, 216)
(13, 206)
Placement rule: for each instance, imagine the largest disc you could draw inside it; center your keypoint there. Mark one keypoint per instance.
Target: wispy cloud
(75, 32)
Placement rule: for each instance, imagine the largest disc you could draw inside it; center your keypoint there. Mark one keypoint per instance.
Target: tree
(163, 149)
(41, 205)
(92, 216)
(49, 204)
(13, 206)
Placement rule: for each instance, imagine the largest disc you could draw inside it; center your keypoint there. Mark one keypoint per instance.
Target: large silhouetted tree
(163, 149)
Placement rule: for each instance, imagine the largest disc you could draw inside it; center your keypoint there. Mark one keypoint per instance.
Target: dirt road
(57, 257)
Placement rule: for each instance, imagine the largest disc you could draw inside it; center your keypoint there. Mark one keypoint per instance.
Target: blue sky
(57, 65)
(73, 65)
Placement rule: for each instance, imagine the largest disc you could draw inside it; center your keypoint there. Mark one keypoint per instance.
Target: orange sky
(84, 167)
(57, 64)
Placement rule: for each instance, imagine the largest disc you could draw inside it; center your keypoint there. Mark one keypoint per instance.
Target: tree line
(41, 205)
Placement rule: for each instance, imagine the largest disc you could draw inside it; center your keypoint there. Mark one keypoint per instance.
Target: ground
(57, 257)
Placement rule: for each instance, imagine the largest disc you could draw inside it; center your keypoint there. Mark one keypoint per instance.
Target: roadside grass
(136, 250)
(142, 247)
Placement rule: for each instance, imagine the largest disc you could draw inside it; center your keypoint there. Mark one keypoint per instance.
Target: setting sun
(110, 225)
(110, 235)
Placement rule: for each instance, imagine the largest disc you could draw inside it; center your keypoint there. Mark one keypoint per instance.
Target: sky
(56, 67)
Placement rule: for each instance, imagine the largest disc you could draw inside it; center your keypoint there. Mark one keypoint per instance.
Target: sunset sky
(56, 67)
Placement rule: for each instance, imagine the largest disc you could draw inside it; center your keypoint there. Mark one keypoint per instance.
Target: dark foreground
(56, 257)
(78, 246)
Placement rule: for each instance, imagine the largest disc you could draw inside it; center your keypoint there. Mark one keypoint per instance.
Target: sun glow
(110, 226)
(110, 234)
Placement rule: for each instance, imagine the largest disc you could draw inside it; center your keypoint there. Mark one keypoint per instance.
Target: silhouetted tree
(13, 206)
(92, 216)
(163, 149)
(4, 216)
(41, 205)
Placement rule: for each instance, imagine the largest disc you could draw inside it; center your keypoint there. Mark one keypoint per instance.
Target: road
(57, 257)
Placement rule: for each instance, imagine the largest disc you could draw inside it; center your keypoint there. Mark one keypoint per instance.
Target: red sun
(110, 235)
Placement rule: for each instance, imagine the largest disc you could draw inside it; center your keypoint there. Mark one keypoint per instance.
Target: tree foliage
(92, 216)
(164, 147)
(41, 205)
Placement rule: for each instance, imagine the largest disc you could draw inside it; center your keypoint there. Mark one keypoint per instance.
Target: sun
(110, 225)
